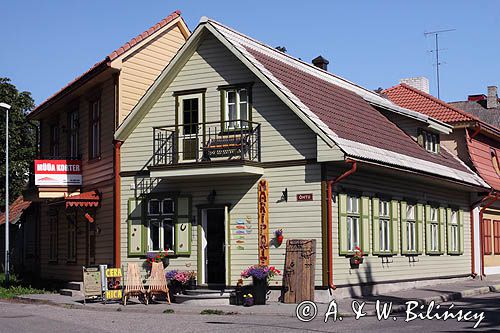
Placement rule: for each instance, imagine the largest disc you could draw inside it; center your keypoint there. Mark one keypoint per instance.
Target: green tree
(22, 140)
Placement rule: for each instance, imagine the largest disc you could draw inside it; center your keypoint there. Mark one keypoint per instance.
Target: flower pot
(191, 284)
(355, 262)
(260, 291)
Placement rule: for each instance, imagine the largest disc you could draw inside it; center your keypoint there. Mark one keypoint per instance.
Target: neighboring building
(77, 221)
(230, 115)
(23, 237)
(477, 144)
(484, 107)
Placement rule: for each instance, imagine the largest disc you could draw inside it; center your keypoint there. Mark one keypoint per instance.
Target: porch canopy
(85, 199)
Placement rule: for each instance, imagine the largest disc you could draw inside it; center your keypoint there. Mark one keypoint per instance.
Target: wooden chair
(133, 284)
(157, 281)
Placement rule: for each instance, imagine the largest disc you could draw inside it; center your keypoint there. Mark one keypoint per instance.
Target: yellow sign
(113, 294)
(113, 272)
(263, 215)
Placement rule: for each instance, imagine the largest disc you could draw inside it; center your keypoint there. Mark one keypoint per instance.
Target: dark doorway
(215, 250)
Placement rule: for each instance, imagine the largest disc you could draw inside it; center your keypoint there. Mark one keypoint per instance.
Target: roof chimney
(492, 101)
(421, 83)
(321, 62)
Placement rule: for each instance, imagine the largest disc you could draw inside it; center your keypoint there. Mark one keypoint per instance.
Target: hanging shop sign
(58, 172)
(263, 215)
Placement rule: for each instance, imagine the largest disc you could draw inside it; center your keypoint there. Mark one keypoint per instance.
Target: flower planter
(165, 261)
(191, 284)
(260, 288)
(355, 262)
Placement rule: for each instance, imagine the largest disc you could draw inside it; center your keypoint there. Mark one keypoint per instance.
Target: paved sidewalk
(439, 293)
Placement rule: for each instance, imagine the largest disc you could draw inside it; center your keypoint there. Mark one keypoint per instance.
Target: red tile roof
(110, 57)
(349, 115)
(85, 199)
(482, 155)
(414, 99)
(16, 210)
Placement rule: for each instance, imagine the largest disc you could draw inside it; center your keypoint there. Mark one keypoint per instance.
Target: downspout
(329, 231)
(481, 230)
(117, 202)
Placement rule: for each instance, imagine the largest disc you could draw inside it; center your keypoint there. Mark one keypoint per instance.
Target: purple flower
(170, 275)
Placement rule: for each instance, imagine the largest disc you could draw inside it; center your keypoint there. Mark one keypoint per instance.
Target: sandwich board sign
(92, 286)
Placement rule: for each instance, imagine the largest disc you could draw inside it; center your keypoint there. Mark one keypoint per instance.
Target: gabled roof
(342, 113)
(105, 63)
(490, 116)
(16, 210)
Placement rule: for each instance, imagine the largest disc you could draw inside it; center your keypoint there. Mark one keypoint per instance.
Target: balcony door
(190, 119)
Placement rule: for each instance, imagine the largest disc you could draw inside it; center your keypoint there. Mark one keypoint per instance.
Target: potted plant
(152, 257)
(191, 283)
(357, 258)
(248, 300)
(260, 274)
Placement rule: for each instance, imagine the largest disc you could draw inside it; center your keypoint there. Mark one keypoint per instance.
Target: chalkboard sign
(92, 286)
(298, 275)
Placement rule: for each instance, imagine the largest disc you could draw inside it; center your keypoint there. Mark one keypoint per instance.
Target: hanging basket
(355, 262)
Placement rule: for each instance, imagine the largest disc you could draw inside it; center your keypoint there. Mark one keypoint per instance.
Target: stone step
(74, 285)
(70, 292)
(208, 292)
(203, 299)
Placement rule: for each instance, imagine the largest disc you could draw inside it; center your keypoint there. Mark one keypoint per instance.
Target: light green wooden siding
(375, 226)
(365, 225)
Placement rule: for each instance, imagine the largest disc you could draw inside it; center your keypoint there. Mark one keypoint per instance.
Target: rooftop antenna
(436, 50)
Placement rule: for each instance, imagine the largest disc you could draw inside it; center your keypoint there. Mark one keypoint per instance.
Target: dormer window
(430, 141)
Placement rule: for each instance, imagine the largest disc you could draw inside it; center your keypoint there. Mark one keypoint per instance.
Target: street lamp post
(7, 263)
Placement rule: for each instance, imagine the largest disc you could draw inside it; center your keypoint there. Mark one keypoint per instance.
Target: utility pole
(7, 222)
(436, 50)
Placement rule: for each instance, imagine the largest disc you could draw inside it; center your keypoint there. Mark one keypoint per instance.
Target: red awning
(85, 199)
(16, 210)
(485, 158)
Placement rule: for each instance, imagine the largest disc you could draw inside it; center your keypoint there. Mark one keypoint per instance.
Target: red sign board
(58, 172)
(305, 197)
(263, 215)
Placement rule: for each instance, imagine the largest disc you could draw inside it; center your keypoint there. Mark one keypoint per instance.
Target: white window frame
(454, 231)
(434, 229)
(353, 218)
(237, 103)
(163, 219)
(384, 225)
(431, 142)
(411, 228)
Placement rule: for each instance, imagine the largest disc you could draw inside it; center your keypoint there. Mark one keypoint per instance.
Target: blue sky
(45, 44)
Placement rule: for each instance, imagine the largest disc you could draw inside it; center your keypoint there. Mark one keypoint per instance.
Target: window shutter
(442, 231)
(461, 231)
(420, 228)
(394, 227)
(404, 230)
(365, 225)
(375, 226)
(183, 228)
(448, 230)
(343, 224)
(427, 229)
(137, 232)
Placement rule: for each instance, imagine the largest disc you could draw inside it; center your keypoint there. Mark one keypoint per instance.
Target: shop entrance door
(214, 246)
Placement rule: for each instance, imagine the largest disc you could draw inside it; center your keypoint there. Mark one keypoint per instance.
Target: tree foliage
(22, 140)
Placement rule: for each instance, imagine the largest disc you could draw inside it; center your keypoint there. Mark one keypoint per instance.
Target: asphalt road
(15, 317)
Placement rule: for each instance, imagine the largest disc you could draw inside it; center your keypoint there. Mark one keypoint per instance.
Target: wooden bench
(225, 146)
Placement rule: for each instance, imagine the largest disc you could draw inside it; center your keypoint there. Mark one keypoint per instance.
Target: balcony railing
(206, 142)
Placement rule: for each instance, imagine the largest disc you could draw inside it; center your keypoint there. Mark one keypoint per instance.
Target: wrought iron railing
(205, 142)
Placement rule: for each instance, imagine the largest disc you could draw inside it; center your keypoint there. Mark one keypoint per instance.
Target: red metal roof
(16, 210)
(110, 57)
(85, 199)
(348, 114)
(414, 99)
(483, 155)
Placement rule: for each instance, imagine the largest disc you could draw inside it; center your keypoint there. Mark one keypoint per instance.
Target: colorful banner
(58, 172)
(263, 215)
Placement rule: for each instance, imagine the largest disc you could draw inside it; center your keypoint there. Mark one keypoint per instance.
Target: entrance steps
(204, 297)
(72, 289)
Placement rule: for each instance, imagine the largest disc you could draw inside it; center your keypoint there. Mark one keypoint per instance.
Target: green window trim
(136, 228)
(393, 219)
(405, 237)
(363, 225)
(375, 227)
(440, 230)
(183, 226)
(420, 228)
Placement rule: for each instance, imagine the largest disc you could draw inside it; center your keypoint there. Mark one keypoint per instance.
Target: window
(411, 228)
(352, 222)
(487, 236)
(54, 141)
(160, 224)
(236, 108)
(71, 238)
(454, 231)
(434, 229)
(73, 137)
(95, 129)
(384, 225)
(430, 141)
(496, 236)
(53, 236)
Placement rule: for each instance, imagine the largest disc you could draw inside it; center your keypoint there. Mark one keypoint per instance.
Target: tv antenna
(436, 50)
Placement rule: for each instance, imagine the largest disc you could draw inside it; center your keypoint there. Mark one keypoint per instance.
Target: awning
(85, 199)
(485, 157)
(16, 210)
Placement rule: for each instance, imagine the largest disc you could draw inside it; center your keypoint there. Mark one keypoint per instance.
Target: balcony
(211, 147)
